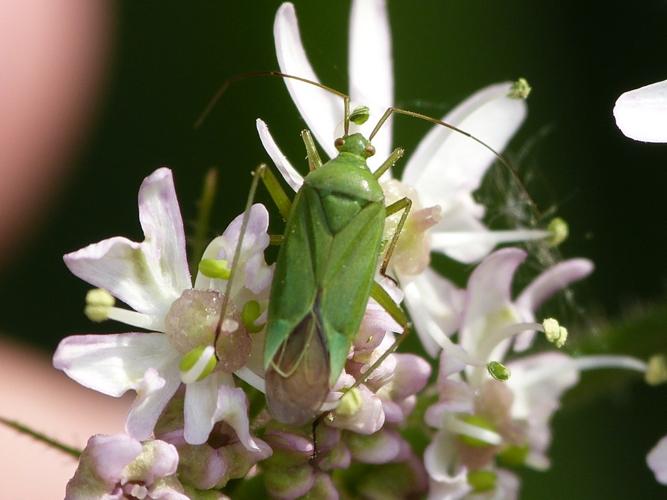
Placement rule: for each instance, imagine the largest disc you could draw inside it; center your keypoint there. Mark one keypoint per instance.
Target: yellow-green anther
(215, 268)
(360, 115)
(514, 456)
(656, 371)
(198, 364)
(520, 89)
(350, 403)
(555, 333)
(251, 311)
(498, 371)
(482, 480)
(477, 421)
(559, 231)
(98, 302)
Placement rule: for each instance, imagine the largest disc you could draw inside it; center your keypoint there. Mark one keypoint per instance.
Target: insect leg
(314, 160)
(275, 190)
(403, 204)
(387, 303)
(389, 162)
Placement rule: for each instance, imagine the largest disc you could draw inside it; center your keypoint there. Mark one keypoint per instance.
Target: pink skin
(52, 59)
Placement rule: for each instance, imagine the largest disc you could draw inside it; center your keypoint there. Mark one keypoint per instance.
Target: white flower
(152, 278)
(441, 175)
(657, 460)
(641, 114)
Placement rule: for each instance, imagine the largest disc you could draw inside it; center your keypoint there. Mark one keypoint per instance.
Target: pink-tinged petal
(153, 393)
(393, 413)
(123, 268)
(507, 485)
(289, 442)
(379, 448)
(113, 364)
(371, 69)
(201, 398)
(163, 461)
(641, 114)
(447, 163)
(232, 408)
(435, 307)
(323, 488)
(488, 293)
(293, 178)
(161, 221)
(657, 461)
(111, 454)
(440, 460)
(410, 376)
(321, 110)
(553, 280)
(448, 490)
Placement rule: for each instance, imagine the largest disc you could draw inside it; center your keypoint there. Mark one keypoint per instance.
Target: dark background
(169, 57)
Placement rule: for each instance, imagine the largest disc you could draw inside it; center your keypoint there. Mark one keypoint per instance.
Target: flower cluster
(200, 421)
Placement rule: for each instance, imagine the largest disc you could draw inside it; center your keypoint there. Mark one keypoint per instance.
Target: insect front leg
(385, 301)
(403, 204)
(314, 160)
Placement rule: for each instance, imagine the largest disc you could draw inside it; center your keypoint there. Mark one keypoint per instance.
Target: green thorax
(345, 183)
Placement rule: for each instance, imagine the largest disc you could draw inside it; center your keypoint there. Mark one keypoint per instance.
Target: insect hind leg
(404, 204)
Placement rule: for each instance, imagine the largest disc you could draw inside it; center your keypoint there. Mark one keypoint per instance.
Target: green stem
(19, 427)
(204, 207)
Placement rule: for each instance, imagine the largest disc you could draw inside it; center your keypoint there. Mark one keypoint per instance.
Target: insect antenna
(237, 254)
(277, 74)
(504, 161)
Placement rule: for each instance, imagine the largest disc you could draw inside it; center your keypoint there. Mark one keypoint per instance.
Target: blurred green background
(169, 58)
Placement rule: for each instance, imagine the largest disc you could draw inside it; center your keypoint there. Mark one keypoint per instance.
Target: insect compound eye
(370, 150)
(339, 143)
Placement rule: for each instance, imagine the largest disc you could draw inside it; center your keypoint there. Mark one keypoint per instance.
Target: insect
(327, 263)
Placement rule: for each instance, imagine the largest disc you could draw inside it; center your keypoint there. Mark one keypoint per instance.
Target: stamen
(474, 431)
(498, 371)
(520, 89)
(98, 303)
(555, 333)
(559, 231)
(215, 268)
(482, 481)
(134, 318)
(198, 364)
(656, 371)
(251, 311)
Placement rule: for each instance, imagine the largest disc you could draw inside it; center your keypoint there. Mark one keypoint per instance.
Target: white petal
(488, 293)
(440, 459)
(199, 409)
(153, 393)
(371, 69)
(447, 163)
(289, 173)
(462, 237)
(113, 364)
(232, 407)
(161, 221)
(641, 114)
(320, 109)
(552, 280)
(110, 455)
(435, 307)
(657, 461)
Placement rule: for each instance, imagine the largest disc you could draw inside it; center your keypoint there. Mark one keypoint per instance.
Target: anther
(520, 89)
(98, 303)
(215, 268)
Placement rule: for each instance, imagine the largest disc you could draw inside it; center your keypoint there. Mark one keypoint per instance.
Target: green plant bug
(327, 262)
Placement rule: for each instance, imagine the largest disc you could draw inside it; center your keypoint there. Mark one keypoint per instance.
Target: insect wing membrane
(297, 382)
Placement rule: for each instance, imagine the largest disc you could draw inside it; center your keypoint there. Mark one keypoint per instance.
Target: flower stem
(24, 429)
